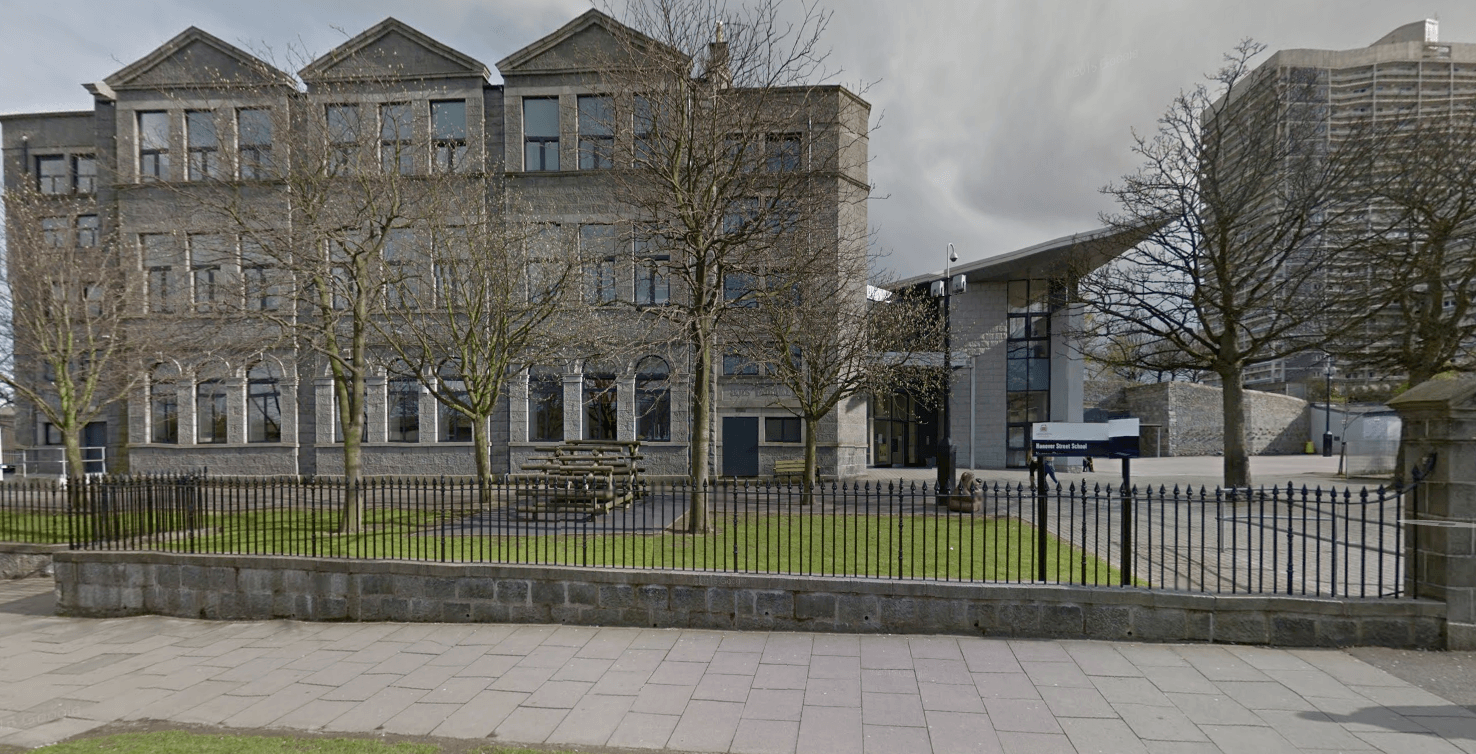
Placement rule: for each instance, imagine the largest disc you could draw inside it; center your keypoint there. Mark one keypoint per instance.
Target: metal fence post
(1126, 554)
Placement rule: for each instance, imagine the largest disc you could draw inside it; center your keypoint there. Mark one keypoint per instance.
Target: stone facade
(107, 584)
(388, 64)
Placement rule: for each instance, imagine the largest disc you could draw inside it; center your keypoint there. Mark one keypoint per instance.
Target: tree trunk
(811, 475)
(480, 446)
(351, 419)
(75, 470)
(1237, 456)
(697, 522)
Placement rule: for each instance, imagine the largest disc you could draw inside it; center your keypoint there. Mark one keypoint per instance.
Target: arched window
(653, 400)
(211, 420)
(163, 407)
(455, 425)
(545, 405)
(600, 405)
(402, 404)
(263, 403)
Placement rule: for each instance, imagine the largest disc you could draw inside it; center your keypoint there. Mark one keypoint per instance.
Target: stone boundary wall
(107, 584)
(1193, 420)
(19, 560)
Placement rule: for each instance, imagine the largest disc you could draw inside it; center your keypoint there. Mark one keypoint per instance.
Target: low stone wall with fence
(117, 583)
(20, 561)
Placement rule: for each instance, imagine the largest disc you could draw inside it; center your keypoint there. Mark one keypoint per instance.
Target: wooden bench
(790, 470)
(584, 476)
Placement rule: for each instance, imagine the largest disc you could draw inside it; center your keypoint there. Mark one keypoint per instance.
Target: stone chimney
(718, 72)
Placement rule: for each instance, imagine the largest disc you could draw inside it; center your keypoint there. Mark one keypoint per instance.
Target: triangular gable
(196, 58)
(392, 51)
(578, 46)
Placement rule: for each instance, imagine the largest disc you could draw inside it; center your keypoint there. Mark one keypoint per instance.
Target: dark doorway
(740, 446)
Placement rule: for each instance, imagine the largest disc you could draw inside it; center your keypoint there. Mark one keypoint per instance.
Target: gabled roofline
(591, 17)
(1080, 251)
(318, 69)
(123, 77)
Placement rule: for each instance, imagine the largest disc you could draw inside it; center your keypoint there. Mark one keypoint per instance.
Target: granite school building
(104, 172)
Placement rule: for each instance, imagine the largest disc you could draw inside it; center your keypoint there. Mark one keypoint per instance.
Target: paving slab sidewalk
(701, 691)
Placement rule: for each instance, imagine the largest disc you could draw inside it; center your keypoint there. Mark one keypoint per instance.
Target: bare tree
(728, 144)
(1248, 207)
(1418, 278)
(319, 214)
(470, 296)
(832, 338)
(80, 344)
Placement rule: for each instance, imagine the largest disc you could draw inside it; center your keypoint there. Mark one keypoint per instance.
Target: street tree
(470, 296)
(80, 342)
(1417, 279)
(832, 338)
(725, 143)
(1246, 208)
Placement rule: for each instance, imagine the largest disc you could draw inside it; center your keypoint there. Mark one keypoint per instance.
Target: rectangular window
(452, 261)
(162, 261)
(208, 254)
(596, 132)
(736, 365)
(545, 273)
(84, 174)
(652, 284)
(86, 231)
(51, 174)
(545, 406)
(600, 407)
(403, 410)
(643, 131)
(254, 143)
(163, 413)
(540, 133)
(404, 273)
(203, 144)
(740, 289)
(210, 412)
(344, 139)
(597, 248)
(448, 136)
(54, 232)
(263, 405)
(783, 153)
(782, 429)
(153, 146)
(260, 276)
(396, 150)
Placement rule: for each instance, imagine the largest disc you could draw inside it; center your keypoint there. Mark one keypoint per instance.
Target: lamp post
(1327, 439)
(947, 454)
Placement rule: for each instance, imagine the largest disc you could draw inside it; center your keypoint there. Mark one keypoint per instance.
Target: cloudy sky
(996, 122)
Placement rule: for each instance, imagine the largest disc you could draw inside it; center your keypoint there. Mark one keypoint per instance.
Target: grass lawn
(33, 528)
(906, 546)
(184, 742)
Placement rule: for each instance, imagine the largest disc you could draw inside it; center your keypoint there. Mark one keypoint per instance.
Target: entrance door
(740, 446)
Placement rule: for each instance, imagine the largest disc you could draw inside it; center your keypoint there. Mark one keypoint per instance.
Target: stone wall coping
(1002, 593)
(27, 548)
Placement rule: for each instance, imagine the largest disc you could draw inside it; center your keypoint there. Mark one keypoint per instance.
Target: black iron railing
(1277, 540)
